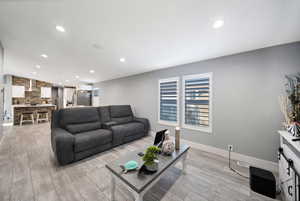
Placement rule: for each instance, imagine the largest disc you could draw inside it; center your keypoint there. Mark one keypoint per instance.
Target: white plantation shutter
(168, 101)
(197, 102)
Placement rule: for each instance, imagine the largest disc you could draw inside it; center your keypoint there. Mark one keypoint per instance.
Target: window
(197, 102)
(168, 101)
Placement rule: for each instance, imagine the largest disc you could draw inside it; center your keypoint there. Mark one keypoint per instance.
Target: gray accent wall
(246, 87)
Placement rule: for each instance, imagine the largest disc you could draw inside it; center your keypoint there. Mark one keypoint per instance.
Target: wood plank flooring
(29, 172)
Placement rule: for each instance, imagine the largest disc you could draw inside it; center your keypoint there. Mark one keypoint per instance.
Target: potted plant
(293, 103)
(150, 157)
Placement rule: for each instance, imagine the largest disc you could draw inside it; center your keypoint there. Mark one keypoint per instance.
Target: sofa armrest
(55, 119)
(143, 121)
(109, 124)
(63, 145)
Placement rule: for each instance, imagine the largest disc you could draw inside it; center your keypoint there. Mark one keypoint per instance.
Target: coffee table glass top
(138, 182)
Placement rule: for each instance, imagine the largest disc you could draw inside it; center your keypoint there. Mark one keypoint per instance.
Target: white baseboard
(1, 139)
(8, 124)
(264, 164)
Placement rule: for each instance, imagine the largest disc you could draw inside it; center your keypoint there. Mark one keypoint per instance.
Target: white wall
(8, 98)
(1, 88)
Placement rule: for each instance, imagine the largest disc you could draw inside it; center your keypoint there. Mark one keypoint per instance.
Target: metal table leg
(112, 188)
(184, 163)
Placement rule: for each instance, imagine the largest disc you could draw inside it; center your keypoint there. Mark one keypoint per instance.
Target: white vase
(168, 146)
(153, 167)
(294, 129)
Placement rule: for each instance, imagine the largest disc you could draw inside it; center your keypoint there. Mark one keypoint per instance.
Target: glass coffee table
(137, 183)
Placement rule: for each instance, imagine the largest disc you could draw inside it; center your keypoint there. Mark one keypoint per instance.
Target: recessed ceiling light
(38, 66)
(44, 55)
(123, 60)
(60, 28)
(34, 73)
(92, 71)
(77, 76)
(97, 46)
(67, 80)
(218, 24)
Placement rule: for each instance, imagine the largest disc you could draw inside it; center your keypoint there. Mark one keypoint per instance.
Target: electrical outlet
(230, 147)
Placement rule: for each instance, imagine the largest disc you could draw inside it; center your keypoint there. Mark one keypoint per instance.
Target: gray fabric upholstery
(91, 139)
(122, 120)
(63, 143)
(92, 151)
(78, 115)
(109, 124)
(144, 121)
(121, 113)
(77, 133)
(123, 130)
(130, 138)
(128, 129)
(84, 127)
(55, 119)
(104, 113)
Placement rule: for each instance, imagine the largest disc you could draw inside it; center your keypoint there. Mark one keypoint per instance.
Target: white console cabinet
(289, 181)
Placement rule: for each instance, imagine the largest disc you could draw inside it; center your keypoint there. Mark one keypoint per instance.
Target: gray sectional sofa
(77, 133)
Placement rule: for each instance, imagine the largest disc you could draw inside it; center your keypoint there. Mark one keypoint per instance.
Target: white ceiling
(150, 34)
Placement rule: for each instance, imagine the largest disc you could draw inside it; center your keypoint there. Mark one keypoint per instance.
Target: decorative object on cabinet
(168, 145)
(290, 104)
(294, 129)
(293, 92)
(285, 109)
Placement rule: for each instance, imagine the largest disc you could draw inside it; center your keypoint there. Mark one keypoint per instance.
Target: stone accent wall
(33, 96)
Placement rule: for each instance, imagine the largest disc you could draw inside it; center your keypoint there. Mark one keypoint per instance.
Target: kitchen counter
(38, 105)
(19, 109)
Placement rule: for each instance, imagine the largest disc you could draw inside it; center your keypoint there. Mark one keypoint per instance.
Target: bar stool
(40, 115)
(28, 114)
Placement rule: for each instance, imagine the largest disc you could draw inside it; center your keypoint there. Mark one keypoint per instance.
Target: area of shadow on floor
(164, 184)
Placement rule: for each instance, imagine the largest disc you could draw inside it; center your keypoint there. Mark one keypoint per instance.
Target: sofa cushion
(120, 111)
(84, 127)
(128, 129)
(122, 120)
(104, 113)
(132, 137)
(91, 139)
(78, 115)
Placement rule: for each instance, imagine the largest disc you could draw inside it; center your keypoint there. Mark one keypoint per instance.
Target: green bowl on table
(129, 166)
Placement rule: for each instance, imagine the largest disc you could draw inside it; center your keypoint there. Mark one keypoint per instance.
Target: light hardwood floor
(28, 171)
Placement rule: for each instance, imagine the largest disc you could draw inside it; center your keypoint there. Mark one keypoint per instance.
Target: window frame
(210, 105)
(164, 122)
